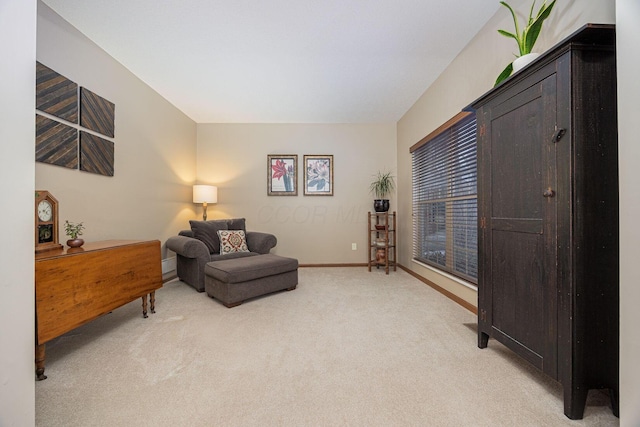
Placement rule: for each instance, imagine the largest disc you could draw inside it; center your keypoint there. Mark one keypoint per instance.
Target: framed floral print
(318, 175)
(282, 174)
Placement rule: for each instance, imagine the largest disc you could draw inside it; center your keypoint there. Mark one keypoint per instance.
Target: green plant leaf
(508, 34)
(519, 38)
(533, 30)
(531, 12)
(504, 74)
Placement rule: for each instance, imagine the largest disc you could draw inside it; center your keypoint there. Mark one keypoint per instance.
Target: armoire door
(518, 215)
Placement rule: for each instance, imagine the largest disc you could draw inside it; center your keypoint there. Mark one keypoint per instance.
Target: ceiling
(283, 61)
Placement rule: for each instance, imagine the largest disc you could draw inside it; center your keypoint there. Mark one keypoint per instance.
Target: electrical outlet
(354, 246)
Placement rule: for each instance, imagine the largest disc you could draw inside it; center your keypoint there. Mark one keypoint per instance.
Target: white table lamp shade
(205, 194)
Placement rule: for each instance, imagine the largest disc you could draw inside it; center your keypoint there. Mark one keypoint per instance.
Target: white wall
(471, 74)
(314, 229)
(17, 103)
(149, 196)
(628, 38)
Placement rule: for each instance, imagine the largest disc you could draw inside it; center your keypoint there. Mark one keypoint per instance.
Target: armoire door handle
(549, 192)
(557, 136)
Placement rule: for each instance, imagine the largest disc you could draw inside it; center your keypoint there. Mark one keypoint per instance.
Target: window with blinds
(445, 208)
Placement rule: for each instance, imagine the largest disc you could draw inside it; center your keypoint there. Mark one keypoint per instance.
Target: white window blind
(445, 213)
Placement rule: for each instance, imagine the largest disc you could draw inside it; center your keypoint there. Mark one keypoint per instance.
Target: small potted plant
(381, 187)
(525, 38)
(73, 231)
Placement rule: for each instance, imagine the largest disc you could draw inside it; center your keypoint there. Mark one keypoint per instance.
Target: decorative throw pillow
(207, 232)
(232, 241)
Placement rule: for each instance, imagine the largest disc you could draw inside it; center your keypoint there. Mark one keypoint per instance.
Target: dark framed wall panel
(56, 143)
(56, 94)
(96, 154)
(69, 145)
(96, 113)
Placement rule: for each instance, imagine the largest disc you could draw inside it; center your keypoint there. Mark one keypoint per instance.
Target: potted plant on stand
(73, 231)
(525, 38)
(381, 187)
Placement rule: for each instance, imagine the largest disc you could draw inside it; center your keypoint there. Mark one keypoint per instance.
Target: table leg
(40, 362)
(152, 297)
(144, 306)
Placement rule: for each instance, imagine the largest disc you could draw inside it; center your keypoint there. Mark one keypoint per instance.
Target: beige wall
(17, 57)
(628, 37)
(146, 156)
(472, 73)
(149, 196)
(314, 229)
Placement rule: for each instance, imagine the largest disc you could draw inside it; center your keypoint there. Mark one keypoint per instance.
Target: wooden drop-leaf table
(76, 285)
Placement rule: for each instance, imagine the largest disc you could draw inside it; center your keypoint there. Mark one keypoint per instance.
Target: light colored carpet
(347, 348)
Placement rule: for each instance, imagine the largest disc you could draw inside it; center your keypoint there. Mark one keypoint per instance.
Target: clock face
(45, 211)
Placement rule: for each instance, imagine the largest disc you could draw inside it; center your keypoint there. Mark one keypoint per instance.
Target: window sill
(447, 275)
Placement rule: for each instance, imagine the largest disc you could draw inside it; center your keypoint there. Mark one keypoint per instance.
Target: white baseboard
(168, 265)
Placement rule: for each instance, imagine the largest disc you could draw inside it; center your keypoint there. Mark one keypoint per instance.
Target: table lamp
(205, 194)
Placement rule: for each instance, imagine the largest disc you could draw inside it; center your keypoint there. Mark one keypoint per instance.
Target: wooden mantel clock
(46, 222)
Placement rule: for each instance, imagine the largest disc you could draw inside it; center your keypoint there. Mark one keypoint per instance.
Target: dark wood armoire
(548, 215)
